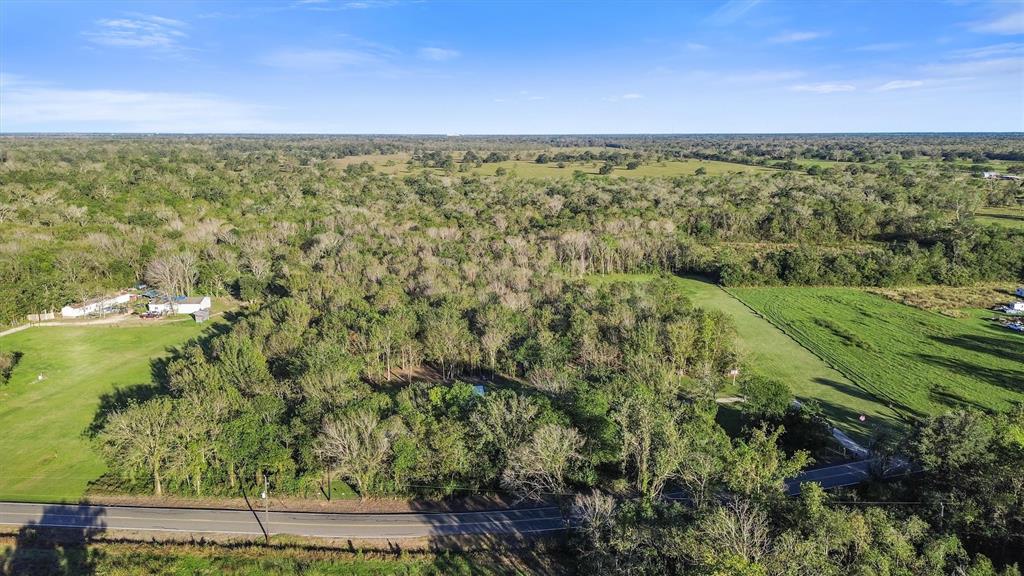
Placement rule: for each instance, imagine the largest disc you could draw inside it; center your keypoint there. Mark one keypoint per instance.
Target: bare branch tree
(740, 528)
(356, 447)
(541, 465)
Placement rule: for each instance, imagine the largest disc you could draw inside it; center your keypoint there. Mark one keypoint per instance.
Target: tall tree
(356, 446)
(139, 440)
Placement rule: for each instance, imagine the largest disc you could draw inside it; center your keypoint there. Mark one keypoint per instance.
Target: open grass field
(397, 164)
(919, 361)
(769, 351)
(1009, 217)
(44, 455)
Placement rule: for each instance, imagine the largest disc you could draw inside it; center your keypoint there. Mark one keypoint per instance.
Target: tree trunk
(159, 485)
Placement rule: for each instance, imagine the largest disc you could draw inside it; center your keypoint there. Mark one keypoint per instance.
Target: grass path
(766, 349)
(45, 456)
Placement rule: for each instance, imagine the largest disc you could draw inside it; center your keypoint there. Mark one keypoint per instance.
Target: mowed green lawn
(920, 361)
(44, 455)
(766, 350)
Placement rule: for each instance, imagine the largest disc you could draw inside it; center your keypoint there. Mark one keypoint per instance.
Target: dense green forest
(82, 216)
(436, 334)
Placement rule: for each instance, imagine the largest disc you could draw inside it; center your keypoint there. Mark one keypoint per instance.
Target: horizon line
(510, 134)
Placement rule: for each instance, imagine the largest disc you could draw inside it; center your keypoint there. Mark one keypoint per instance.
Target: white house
(192, 305)
(179, 305)
(94, 306)
(1016, 306)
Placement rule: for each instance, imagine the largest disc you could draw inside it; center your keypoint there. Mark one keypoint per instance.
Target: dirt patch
(948, 300)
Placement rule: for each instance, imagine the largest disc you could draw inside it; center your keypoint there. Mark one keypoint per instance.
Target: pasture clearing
(46, 455)
(1009, 217)
(397, 164)
(919, 361)
(765, 349)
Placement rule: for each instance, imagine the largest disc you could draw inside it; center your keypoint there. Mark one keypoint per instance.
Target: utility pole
(266, 503)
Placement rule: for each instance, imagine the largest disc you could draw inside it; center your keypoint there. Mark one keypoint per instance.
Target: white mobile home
(94, 306)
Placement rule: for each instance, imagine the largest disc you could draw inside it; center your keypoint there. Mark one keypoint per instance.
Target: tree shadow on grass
(121, 398)
(848, 420)
(1011, 217)
(1005, 378)
(1010, 348)
(500, 554)
(943, 395)
(861, 394)
(57, 543)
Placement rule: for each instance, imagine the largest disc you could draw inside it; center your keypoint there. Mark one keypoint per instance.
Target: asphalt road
(849, 474)
(338, 525)
(243, 523)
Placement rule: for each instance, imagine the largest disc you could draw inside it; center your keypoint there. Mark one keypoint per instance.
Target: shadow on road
(56, 544)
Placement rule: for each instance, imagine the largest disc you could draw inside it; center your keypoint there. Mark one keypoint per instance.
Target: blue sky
(335, 66)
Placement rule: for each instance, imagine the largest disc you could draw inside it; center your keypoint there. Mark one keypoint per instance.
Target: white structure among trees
(94, 306)
(179, 305)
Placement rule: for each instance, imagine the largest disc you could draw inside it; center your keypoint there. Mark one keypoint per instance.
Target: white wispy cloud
(626, 96)
(899, 85)
(26, 105)
(436, 54)
(731, 11)
(326, 59)
(696, 46)
(881, 47)
(792, 37)
(823, 88)
(1009, 67)
(139, 31)
(332, 5)
(763, 76)
(1007, 24)
(994, 50)
(992, 65)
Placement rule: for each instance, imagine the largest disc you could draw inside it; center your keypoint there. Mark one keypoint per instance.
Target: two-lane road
(357, 526)
(314, 524)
